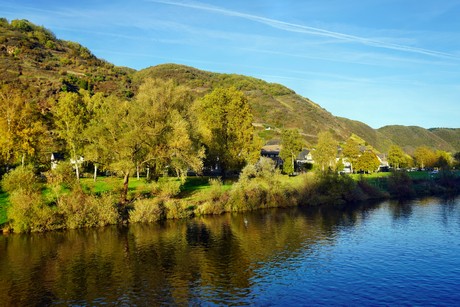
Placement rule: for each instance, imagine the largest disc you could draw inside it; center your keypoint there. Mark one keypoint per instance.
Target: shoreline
(247, 195)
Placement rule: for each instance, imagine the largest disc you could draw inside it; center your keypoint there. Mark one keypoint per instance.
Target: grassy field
(3, 207)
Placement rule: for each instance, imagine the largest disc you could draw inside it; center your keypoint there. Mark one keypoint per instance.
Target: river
(387, 253)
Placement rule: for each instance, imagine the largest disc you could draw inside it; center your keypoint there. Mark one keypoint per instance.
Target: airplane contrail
(291, 27)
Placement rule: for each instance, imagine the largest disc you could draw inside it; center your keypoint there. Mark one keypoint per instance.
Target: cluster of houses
(305, 158)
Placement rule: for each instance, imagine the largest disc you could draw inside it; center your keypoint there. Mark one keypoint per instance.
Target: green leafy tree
(22, 24)
(93, 150)
(163, 120)
(22, 130)
(424, 157)
(351, 151)
(70, 118)
(396, 156)
(153, 130)
(291, 146)
(225, 123)
(326, 151)
(443, 160)
(367, 162)
(113, 139)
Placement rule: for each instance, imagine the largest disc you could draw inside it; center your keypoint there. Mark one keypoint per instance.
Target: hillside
(32, 57)
(273, 105)
(373, 137)
(40, 65)
(450, 135)
(411, 137)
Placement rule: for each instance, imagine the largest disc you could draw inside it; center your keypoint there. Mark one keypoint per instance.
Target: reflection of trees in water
(212, 259)
(401, 210)
(450, 212)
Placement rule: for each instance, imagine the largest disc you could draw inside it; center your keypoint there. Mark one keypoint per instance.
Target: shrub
(169, 188)
(21, 178)
(400, 185)
(147, 210)
(333, 189)
(247, 173)
(215, 191)
(75, 209)
(177, 209)
(211, 207)
(105, 209)
(80, 210)
(22, 24)
(27, 213)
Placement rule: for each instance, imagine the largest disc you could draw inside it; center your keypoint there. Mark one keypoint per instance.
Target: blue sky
(382, 62)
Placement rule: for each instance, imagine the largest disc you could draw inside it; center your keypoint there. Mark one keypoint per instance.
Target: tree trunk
(137, 171)
(22, 159)
(77, 171)
(124, 192)
(148, 173)
(95, 172)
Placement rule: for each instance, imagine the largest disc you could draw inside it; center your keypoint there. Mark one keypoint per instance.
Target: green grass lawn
(3, 207)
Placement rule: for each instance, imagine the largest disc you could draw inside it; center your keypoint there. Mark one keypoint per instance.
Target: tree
(326, 151)
(367, 162)
(291, 146)
(351, 151)
(22, 131)
(396, 156)
(93, 150)
(70, 118)
(163, 119)
(457, 158)
(424, 157)
(443, 160)
(154, 130)
(225, 123)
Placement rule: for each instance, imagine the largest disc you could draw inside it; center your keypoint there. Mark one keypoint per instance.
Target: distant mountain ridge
(34, 60)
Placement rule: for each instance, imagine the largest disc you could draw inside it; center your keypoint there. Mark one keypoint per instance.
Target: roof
(303, 154)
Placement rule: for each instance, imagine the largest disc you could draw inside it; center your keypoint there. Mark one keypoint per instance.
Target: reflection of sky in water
(400, 253)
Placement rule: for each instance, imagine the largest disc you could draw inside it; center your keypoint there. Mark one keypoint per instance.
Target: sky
(381, 62)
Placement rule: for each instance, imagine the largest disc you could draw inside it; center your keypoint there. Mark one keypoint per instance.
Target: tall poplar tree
(351, 151)
(70, 119)
(325, 153)
(291, 146)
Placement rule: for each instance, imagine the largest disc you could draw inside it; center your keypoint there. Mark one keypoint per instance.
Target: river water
(387, 253)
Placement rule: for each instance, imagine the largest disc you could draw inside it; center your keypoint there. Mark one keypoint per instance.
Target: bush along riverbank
(57, 201)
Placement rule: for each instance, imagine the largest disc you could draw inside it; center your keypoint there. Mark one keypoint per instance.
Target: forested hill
(35, 62)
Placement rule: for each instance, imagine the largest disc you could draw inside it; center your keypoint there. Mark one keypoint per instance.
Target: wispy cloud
(298, 28)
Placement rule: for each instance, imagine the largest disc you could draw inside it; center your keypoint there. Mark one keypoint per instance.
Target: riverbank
(90, 204)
